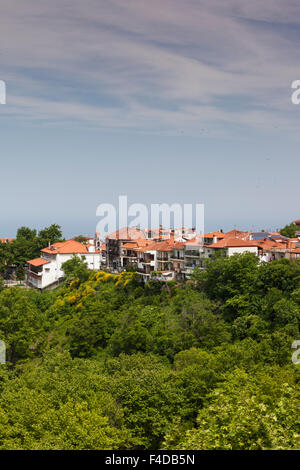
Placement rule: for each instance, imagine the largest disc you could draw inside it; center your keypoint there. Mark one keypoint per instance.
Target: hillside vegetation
(106, 362)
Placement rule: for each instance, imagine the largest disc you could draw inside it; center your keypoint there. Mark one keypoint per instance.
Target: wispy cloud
(151, 66)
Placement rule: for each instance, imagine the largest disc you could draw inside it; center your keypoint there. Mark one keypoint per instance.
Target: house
(242, 235)
(174, 253)
(193, 254)
(114, 242)
(158, 233)
(177, 259)
(294, 254)
(231, 246)
(213, 237)
(147, 259)
(129, 251)
(47, 270)
(102, 248)
(270, 250)
(6, 240)
(297, 223)
(165, 257)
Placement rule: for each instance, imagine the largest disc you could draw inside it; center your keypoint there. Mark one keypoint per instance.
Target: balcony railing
(192, 265)
(193, 253)
(143, 271)
(129, 255)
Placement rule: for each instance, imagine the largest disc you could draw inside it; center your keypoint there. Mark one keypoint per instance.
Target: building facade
(47, 270)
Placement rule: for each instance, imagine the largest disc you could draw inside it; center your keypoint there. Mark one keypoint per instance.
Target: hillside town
(164, 254)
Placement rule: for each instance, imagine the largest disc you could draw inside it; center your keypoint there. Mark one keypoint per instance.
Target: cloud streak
(151, 66)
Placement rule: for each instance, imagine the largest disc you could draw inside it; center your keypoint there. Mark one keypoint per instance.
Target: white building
(231, 246)
(47, 270)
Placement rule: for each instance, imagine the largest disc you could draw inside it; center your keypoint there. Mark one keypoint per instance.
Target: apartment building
(174, 254)
(114, 243)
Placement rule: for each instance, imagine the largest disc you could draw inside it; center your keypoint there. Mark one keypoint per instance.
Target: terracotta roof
(126, 233)
(150, 246)
(6, 240)
(197, 241)
(136, 244)
(38, 262)
(167, 245)
(238, 234)
(179, 245)
(162, 245)
(68, 247)
(267, 244)
(214, 234)
(234, 243)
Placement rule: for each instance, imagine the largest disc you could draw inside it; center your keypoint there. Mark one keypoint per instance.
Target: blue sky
(174, 101)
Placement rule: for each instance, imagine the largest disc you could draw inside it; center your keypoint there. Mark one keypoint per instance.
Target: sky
(173, 101)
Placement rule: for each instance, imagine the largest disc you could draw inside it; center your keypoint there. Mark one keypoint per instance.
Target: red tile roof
(234, 243)
(238, 234)
(267, 244)
(38, 262)
(162, 245)
(179, 245)
(68, 247)
(214, 234)
(197, 241)
(126, 233)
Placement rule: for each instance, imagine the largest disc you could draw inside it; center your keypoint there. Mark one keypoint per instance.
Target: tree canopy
(105, 361)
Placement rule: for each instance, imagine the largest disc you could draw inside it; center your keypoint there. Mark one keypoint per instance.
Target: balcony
(163, 258)
(129, 255)
(192, 265)
(143, 271)
(35, 275)
(192, 253)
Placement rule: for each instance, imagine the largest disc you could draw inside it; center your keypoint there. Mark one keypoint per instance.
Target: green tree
(25, 233)
(76, 268)
(240, 415)
(51, 234)
(289, 230)
(60, 405)
(20, 325)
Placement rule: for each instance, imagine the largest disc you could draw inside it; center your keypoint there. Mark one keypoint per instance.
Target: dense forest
(107, 362)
